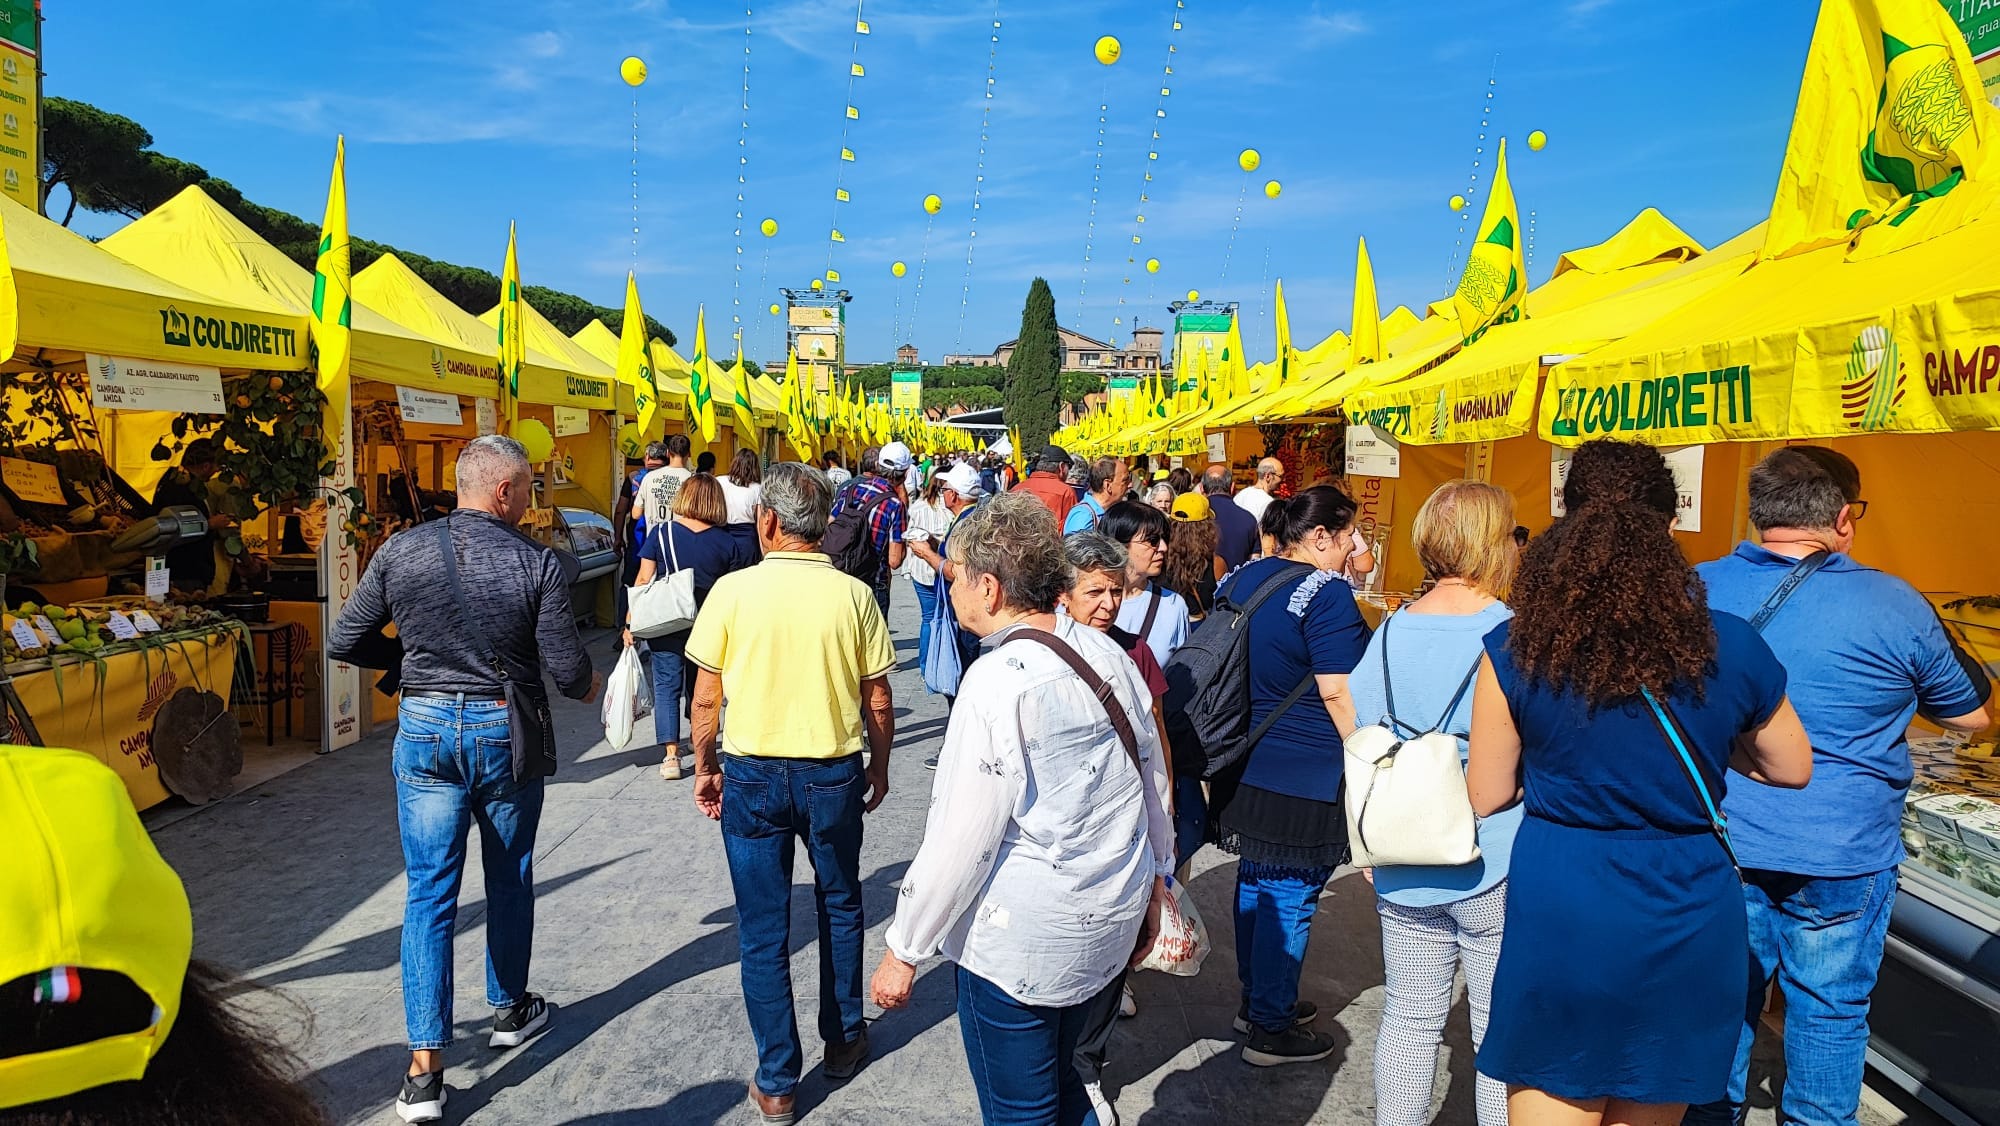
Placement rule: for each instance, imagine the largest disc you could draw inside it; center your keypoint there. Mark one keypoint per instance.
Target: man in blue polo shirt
(1105, 486)
(1864, 654)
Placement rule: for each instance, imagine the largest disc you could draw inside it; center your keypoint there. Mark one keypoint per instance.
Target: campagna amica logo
(1873, 388)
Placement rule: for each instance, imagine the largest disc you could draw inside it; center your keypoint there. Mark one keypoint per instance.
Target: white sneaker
(1107, 1115)
(670, 767)
(1128, 1006)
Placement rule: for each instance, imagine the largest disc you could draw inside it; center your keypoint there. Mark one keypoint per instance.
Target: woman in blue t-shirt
(702, 542)
(1435, 919)
(1283, 816)
(1619, 991)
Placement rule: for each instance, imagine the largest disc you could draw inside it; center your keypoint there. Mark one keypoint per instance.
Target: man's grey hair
(801, 497)
(1270, 467)
(1801, 487)
(1094, 551)
(1216, 481)
(486, 462)
(1014, 538)
(657, 451)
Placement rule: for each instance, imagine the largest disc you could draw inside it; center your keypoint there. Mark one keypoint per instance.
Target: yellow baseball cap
(83, 889)
(1191, 506)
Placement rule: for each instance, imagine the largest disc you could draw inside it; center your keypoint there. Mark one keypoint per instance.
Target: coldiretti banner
(20, 103)
(566, 389)
(1487, 407)
(906, 389)
(1980, 21)
(1930, 368)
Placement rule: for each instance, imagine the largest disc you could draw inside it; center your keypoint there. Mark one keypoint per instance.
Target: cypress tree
(1034, 372)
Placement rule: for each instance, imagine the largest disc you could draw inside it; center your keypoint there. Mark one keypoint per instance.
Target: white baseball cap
(963, 480)
(894, 456)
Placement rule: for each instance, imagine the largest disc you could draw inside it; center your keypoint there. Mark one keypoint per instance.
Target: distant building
(1080, 353)
(906, 356)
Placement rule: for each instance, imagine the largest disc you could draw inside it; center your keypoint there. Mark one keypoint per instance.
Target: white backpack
(1406, 798)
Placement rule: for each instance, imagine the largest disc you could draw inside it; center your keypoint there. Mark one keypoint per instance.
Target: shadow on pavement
(697, 1106)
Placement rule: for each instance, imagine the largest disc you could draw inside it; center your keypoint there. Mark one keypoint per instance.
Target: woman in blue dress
(1619, 990)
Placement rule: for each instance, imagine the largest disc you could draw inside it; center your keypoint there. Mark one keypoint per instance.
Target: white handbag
(1406, 798)
(665, 605)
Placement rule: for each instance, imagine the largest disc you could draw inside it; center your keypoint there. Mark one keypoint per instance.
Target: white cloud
(541, 45)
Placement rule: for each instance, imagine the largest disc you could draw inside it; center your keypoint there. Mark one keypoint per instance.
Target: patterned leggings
(1422, 950)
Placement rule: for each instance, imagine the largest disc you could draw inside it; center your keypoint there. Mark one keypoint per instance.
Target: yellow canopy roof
(67, 296)
(559, 371)
(470, 361)
(194, 240)
(1649, 237)
(602, 343)
(1810, 346)
(1486, 391)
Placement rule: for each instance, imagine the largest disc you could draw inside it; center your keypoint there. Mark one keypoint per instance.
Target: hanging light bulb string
(978, 175)
(1451, 263)
(763, 280)
(1264, 292)
(1152, 159)
(1096, 182)
(1530, 262)
(742, 181)
(635, 179)
(1229, 248)
(923, 263)
(849, 115)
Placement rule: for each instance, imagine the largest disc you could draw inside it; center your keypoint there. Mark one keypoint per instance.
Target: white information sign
(1373, 452)
(157, 579)
(487, 412)
(144, 622)
(572, 420)
(121, 626)
(1218, 447)
(43, 623)
(25, 636)
(440, 408)
(1686, 463)
(117, 383)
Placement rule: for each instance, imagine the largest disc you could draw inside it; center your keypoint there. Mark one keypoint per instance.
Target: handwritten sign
(117, 383)
(26, 637)
(144, 623)
(121, 626)
(487, 412)
(32, 481)
(43, 623)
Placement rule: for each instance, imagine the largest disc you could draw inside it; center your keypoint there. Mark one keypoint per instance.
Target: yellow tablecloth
(107, 710)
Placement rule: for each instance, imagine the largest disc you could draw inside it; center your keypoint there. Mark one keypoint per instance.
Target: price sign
(121, 626)
(25, 636)
(144, 623)
(157, 577)
(32, 481)
(43, 623)
(487, 414)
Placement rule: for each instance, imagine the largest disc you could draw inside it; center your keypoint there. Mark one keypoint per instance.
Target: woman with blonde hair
(1436, 920)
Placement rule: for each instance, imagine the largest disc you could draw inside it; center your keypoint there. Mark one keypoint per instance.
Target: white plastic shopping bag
(623, 695)
(1182, 943)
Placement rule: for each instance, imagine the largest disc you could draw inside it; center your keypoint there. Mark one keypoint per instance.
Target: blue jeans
(1021, 1056)
(1190, 816)
(453, 767)
(767, 805)
(1274, 914)
(882, 597)
(1822, 936)
(927, 594)
(666, 666)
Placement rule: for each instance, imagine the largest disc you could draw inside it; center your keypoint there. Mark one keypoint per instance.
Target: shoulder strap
(1269, 588)
(1389, 691)
(1284, 705)
(1676, 738)
(1152, 611)
(1099, 687)
(1801, 571)
(450, 553)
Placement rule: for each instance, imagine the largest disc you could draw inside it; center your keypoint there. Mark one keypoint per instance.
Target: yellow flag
(1233, 371)
(1019, 458)
(799, 427)
(1495, 281)
(701, 389)
(332, 322)
(1284, 323)
(513, 348)
(635, 367)
(745, 418)
(1892, 137)
(1367, 339)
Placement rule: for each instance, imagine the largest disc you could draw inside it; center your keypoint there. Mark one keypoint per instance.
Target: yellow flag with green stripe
(332, 323)
(1495, 283)
(635, 366)
(513, 346)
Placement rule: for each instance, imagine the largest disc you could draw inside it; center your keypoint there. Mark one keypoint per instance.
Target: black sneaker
(513, 1027)
(1303, 1013)
(931, 763)
(422, 1098)
(1293, 1045)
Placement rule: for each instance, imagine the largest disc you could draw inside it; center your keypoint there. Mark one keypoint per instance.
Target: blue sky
(460, 117)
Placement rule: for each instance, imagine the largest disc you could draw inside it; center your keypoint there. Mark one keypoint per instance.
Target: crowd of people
(1678, 783)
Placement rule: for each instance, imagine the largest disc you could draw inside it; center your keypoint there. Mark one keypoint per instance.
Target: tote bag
(665, 605)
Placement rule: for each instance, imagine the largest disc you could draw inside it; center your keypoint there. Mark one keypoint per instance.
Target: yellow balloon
(633, 70)
(1537, 139)
(1249, 159)
(1152, 265)
(536, 439)
(897, 268)
(818, 285)
(933, 205)
(1272, 188)
(1108, 50)
(775, 310)
(1458, 203)
(769, 227)
(1194, 295)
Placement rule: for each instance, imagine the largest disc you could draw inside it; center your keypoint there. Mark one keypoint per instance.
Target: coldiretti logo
(578, 387)
(1439, 415)
(1695, 398)
(184, 331)
(1393, 420)
(1874, 384)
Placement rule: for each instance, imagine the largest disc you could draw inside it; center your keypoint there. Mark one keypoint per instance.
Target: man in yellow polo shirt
(803, 655)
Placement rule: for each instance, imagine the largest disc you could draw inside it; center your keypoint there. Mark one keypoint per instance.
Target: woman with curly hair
(1617, 997)
(1193, 567)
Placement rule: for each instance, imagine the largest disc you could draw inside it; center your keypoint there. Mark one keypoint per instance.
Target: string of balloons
(633, 71)
(1107, 51)
(932, 205)
(742, 180)
(769, 229)
(847, 119)
(1248, 160)
(1152, 157)
(1459, 202)
(978, 175)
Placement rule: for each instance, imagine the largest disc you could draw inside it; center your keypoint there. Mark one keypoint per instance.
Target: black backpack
(1207, 706)
(848, 541)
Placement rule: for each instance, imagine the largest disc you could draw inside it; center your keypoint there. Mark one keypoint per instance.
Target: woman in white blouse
(1043, 862)
(743, 488)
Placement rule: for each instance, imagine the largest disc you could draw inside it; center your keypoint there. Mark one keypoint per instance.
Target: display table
(105, 707)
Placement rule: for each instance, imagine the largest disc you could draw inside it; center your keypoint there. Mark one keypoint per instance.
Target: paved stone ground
(297, 883)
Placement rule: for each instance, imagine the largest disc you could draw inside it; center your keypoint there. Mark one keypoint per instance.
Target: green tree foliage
(1079, 385)
(107, 164)
(1035, 370)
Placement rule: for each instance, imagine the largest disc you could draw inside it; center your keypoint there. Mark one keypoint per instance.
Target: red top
(1142, 655)
(1052, 490)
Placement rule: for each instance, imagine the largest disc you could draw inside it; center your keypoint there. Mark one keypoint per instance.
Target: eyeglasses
(1856, 509)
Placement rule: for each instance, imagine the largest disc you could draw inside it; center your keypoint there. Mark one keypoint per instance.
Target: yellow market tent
(559, 371)
(66, 296)
(194, 240)
(394, 290)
